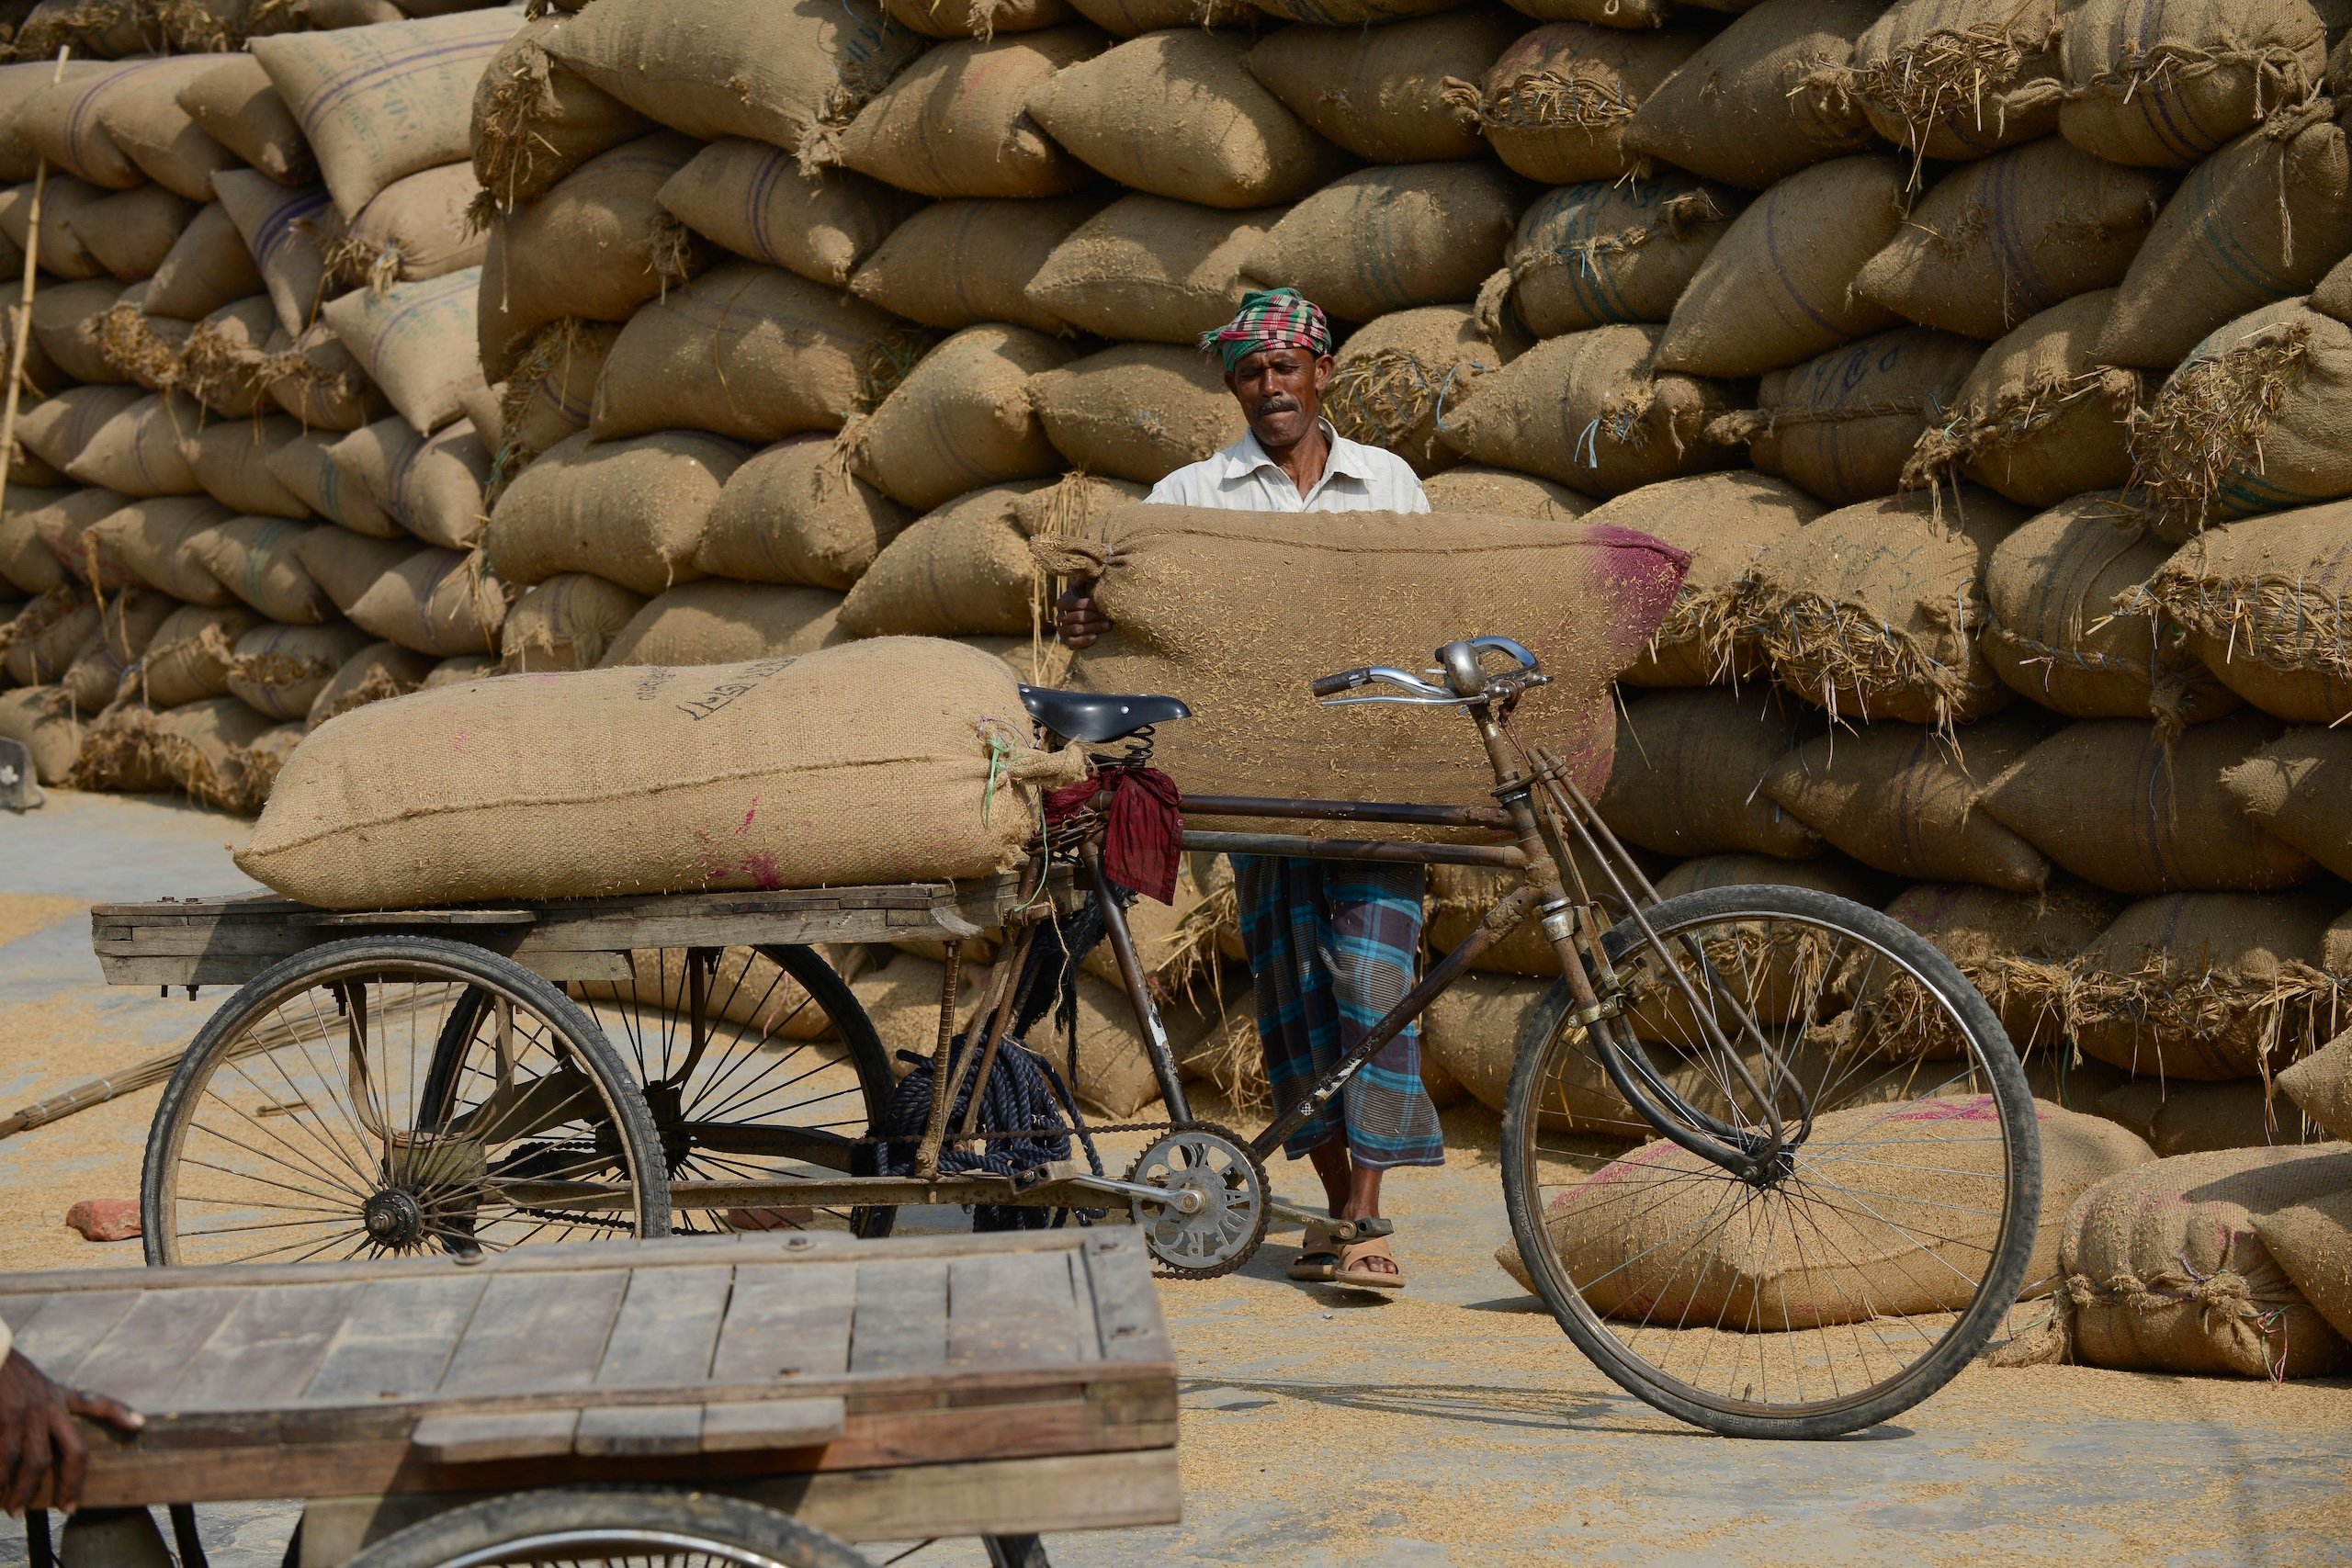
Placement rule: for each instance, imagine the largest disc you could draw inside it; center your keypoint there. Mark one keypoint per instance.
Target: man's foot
(1369, 1265)
(1318, 1258)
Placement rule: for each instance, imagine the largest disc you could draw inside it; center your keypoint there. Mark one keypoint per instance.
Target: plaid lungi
(1333, 945)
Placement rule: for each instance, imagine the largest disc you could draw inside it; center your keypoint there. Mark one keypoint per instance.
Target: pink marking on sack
(760, 866)
(1977, 1109)
(754, 811)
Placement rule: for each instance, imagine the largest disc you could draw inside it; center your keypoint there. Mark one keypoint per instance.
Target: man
(37, 1440)
(1332, 944)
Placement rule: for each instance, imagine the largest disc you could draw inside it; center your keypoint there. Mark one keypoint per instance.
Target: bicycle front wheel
(1864, 1268)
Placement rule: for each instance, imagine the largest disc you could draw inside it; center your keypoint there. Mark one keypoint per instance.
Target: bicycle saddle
(1096, 717)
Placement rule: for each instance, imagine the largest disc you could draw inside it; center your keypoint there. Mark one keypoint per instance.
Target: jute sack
(756, 352)
(2295, 788)
(231, 461)
(1843, 424)
(954, 122)
(1588, 255)
(785, 517)
(372, 811)
(282, 226)
(159, 541)
(1959, 78)
(960, 263)
(1177, 114)
(263, 758)
(189, 656)
(131, 232)
(202, 748)
(65, 328)
(118, 753)
(233, 102)
(67, 123)
(1723, 522)
(377, 103)
(1141, 411)
(59, 428)
(435, 601)
(2199, 1117)
(61, 254)
(42, 719)
(1760, 99)
(70, 534)
(1873, 611)
(2321, 1085)
(259, 560)
(534, 119)
(2165, 1271)
(1125, 18)
(2112, 801)
(1904, 798)
(137, 451)
(632, 512)
(41, 642)
(221, 363)
(378, 670)
(415, 227)
(2267, 607)
(1778, 287)
(25, 563)
(551, 389)
(1620, 1229)
(976, 19)
(162, 138)
(1689, 772)
(2051, 632)
(314, 378)
(1590, 410)
(127, 624)
(1459, 897)
(1396, 379)
(2162, 83)
(205, 269)
(1073, 504)
(965, 568)
(2000, 239)
(1353, 13)
(565, 623)
(2015, 948)
(2041, 418)
(961, 419)
(755, 200)
(1289, 602)
(431, 485)
(1555, 104)
(416, 342)
(2308, 1241)
(151, 350)
(744, 987)
(1386, 239)
(788, 68)
(280, 670)
(20, 84)
(300, 464)
(725, 623)
(2263, 219)
(1500, 492)
(1150, 269)
(1388, 94)
(597, 246)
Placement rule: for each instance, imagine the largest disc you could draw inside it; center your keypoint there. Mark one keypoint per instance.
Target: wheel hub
(1213, 1175)
(392, 1218)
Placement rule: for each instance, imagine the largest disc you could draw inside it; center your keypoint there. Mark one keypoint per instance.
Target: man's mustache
(1283, 404)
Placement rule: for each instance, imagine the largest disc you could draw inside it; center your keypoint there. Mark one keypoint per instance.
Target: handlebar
(1460, 662)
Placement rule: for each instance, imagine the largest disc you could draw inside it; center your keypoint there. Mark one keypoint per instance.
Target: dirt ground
(1451, 1425)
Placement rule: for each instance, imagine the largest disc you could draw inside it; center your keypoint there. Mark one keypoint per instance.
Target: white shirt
(1356, 477)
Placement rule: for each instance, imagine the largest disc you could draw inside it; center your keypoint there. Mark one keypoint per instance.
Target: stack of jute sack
(246, 487)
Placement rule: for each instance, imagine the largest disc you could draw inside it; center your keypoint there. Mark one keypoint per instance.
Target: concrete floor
(1323, 1427)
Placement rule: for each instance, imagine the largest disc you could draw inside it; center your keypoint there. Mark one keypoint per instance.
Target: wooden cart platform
(932, 1386)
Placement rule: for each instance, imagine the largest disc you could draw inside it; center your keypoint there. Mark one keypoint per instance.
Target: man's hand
(37, 1435)
(1076, 620)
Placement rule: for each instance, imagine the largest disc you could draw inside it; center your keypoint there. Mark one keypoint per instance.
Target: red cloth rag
(1143, 830)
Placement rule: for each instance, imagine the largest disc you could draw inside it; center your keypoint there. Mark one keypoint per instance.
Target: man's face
(1282, 393)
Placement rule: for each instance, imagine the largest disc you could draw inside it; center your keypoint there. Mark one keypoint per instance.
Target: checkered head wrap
(1269, 318)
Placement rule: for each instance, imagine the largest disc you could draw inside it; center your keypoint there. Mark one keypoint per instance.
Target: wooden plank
(396, 1344)
(901, 1320)
(1009, 1310)
(267, 1349)
(494, 1434)
(667, 1328)
(762, 1423)
(150, 1346)
(630, 1431)
(1126, 1304)
(787, 1320)
(535, 1335)
(65, 1327)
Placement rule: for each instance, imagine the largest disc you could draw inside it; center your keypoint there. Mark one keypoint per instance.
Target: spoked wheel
(622, 1527)
(397, 1095)
(760, 1066)
(1823, 1289)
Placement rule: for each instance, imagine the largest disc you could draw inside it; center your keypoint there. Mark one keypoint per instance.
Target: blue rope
(1024, 1095)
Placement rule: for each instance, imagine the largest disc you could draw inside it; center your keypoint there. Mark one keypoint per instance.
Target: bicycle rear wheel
(1862, 1271)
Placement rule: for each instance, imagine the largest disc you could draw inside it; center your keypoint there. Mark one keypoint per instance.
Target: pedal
(1345, 1232)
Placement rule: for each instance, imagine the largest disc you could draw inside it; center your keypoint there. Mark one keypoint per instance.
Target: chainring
(1226, 1231)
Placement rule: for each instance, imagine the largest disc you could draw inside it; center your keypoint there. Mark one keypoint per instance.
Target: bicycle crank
(1216, 1207)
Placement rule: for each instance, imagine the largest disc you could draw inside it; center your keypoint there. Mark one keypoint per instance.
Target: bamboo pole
(23, 323)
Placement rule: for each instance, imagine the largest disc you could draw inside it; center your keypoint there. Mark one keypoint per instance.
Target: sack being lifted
(892, 760)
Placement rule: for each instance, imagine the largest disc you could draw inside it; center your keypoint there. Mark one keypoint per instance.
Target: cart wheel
(652, 1527)
(759, 1065)
(393, 1095)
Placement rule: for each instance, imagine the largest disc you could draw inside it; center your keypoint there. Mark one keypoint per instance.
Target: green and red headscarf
(1269, 318)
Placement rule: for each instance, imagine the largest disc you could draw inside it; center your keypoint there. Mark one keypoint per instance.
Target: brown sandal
(1319, 1257)
(1351, 1255)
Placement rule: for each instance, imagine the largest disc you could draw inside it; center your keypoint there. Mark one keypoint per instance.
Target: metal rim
(607, 1541)
(1225, 1231)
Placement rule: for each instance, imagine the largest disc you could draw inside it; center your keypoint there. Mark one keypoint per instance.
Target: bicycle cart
(1767, 1157)
(754, 1402)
